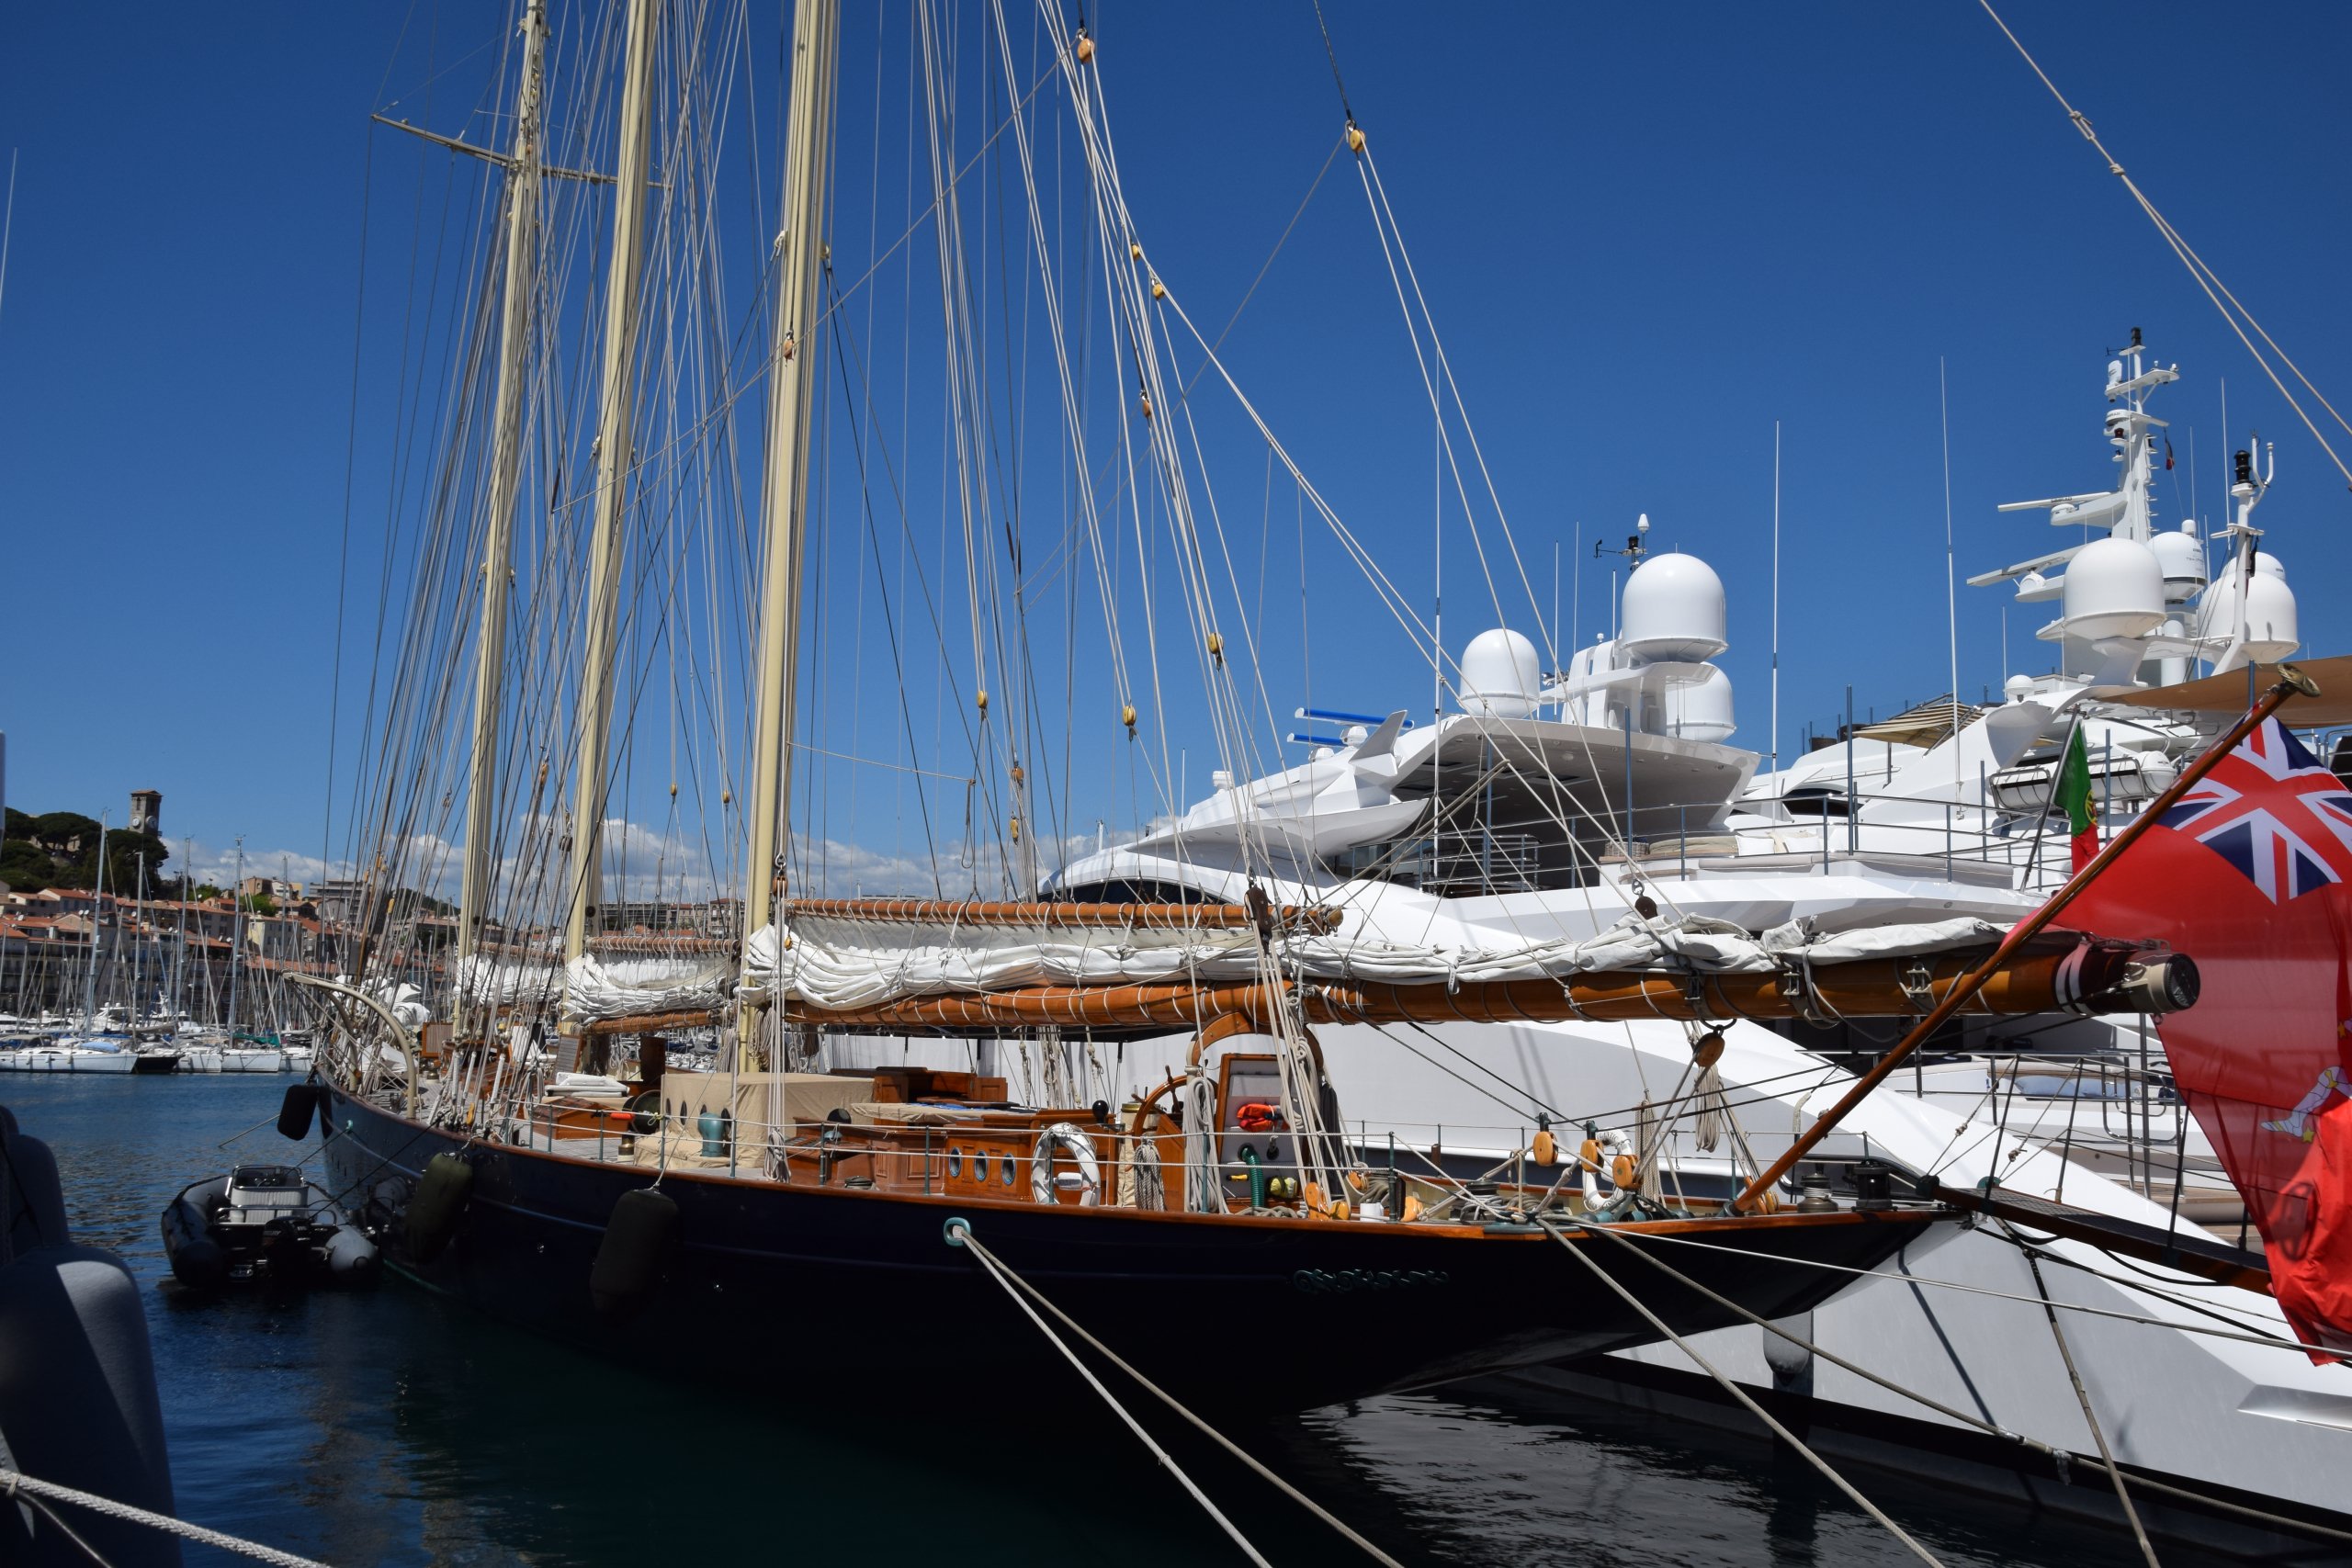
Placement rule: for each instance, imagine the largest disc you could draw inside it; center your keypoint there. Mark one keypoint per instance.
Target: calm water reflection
(394, 1428)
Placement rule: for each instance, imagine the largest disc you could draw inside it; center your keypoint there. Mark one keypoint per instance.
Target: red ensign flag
(2251, 876)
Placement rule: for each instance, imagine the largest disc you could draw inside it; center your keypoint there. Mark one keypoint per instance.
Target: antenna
(1636, 546)
(1776, 595)
(1952, 599)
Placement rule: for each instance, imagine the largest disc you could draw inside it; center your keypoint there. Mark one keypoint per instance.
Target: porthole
(1008, 1170)
(954, 1162)
(979, 1165)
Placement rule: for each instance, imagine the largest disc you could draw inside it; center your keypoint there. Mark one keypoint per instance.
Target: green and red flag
(2074, 798)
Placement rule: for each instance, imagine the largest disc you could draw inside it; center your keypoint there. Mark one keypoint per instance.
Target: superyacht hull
(1229, 1311)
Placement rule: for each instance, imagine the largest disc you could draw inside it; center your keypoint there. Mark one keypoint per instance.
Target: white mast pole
(1951, 597)
(591, 779)
(236, 935)
(506, 465)
(807, 164)
(97, 908)
(1776, 597)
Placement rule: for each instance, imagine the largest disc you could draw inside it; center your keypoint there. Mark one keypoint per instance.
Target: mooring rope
(15, 1486)
(1737, 1392)
(2062, 1457)
(959, 1234)
(2090, 1417)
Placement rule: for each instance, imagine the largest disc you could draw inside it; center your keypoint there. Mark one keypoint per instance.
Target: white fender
(1613, 1142)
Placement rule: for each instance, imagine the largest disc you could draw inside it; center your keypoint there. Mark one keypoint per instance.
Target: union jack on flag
(2274, 813)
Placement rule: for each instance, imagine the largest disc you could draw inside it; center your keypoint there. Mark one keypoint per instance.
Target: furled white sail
(841, 964)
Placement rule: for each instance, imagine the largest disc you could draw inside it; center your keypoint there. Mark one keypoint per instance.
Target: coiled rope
(959, 1234)
(17, 1486)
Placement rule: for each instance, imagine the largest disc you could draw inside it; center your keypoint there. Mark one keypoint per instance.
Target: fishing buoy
(295, 1110)
(637, 1243)
(439, 1203)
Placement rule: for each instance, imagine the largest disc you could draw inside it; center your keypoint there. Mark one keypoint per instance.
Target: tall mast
(506, 466)
(807, 164)
(612, 425)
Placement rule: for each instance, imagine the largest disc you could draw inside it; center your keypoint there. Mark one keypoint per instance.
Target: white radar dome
(1700, 711)
(2183, 560)
(1502, 675)
(1673, 610)
(2114, 588)
(2270, 621)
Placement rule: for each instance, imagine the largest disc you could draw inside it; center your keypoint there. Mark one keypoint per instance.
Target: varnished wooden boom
(2041, 981)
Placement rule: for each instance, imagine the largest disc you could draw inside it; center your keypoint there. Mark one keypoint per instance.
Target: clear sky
(1646, 232)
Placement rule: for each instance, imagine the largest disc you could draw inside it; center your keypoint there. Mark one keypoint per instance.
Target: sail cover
(2252, 872)
(841, 964)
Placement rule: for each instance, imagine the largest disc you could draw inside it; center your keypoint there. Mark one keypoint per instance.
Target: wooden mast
(506, 465)
(592, 775)
(807, 164)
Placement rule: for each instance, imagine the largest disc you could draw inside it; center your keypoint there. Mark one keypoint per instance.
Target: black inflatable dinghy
(264, 1224)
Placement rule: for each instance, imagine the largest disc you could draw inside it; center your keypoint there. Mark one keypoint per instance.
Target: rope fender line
(958, 1233)
(1737, 1392)
(17, 1486)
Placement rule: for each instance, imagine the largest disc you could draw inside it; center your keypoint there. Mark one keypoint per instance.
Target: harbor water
(390, 1427)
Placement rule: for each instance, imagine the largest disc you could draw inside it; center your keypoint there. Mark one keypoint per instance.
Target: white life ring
(1080, 1148)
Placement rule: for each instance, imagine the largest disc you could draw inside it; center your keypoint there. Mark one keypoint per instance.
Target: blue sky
(1645, 234)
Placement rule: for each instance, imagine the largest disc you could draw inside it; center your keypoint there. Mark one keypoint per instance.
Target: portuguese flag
(2073, 796)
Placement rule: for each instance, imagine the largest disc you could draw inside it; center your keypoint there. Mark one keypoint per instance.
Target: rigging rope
(1737, 1392)
(2206, 277)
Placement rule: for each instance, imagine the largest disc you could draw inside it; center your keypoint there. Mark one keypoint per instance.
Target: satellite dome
(2017, 688)
(1701, 710)
(2183, 560)
(1673, 610)
(1502, 675)
(2267, 565)
(2114, 588)
(2271, 632)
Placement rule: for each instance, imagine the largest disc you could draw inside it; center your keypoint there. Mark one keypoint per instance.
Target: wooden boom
(2072, 975)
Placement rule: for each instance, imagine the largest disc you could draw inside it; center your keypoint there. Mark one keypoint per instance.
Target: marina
(340, 1425)
(942, 886)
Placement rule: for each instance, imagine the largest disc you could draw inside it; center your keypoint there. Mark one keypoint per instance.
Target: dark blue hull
(800, 1285)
